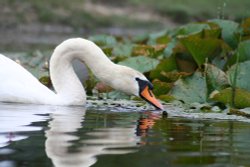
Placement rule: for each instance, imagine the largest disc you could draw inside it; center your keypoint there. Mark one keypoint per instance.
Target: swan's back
(18, 85)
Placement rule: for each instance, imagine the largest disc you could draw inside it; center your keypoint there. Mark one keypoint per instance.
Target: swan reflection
(73, 138)
(18, 118)
(61, 137)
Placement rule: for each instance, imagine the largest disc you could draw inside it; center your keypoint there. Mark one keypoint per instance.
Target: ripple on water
(74, 136)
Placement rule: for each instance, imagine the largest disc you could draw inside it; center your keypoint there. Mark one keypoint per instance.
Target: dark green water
(42, 136)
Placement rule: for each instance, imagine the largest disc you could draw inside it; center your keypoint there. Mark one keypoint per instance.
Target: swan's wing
(18, 85)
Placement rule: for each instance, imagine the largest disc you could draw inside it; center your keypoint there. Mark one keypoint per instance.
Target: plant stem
(234, 83)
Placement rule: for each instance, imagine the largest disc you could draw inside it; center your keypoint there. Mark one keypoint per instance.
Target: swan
(18, 85)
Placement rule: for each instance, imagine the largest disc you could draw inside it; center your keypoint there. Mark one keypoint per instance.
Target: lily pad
(140, 63)
(192, 28)
(123, 50)
(200, 48)
(185, 62)
(145, 50)
(104, 40)
(165, 65)
(230, 31)
(159, 38)
(215, 77)
(166, 98)
(241, 99)
(242, 75)
(148, 50)
(174, 75)
(245, 27)
(161, 88)
(191, 89)
(244, 50)
(169, 49)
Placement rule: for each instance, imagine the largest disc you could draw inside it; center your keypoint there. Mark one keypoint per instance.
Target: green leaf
(200, 48)
(166, 98)
(169, 49)
(104, 40)
(191, 89)
(242, 76)
(123, 50)
(148, 50)
(245, 25)
(165, 65)
(244, 50)
(161, 88)
(229, 31)
(241, 100)
(213, 32)
(185, 62)
(158, 38)
(215, 77)
(140, 38)
(117, 95)
(192, 28)
(140, 63)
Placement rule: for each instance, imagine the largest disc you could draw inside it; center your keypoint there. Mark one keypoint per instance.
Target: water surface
(33, 135)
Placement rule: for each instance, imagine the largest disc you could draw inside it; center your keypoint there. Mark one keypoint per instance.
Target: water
(41, 136)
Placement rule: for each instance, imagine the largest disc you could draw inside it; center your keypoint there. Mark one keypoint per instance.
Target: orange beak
(148, 95)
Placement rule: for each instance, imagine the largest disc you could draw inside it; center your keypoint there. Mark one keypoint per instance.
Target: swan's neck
(66, 83)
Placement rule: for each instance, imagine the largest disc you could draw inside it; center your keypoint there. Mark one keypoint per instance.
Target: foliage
(191, 89)
(191, 62)
(242, 78)
(241, 100)
(140, 63)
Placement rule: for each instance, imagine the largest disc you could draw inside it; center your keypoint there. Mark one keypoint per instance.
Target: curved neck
(65, 81)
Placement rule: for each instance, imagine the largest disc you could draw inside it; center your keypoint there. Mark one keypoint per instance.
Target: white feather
(18, 85)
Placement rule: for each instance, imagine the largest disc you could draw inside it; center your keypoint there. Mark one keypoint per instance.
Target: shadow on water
(33, 135)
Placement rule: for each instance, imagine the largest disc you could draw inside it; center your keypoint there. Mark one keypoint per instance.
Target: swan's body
(18, 85)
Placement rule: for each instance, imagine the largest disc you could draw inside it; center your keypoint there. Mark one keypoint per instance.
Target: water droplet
(171, 138)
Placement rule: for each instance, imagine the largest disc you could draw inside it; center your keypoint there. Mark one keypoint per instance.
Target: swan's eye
(150, 86)
(142, 84)
(145, 92)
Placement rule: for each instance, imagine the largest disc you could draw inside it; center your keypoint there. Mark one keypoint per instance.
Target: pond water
(44, 136)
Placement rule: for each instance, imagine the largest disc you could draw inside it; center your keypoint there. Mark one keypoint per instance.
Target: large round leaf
(245, 27)
(244, 50)
(215, 77)
(191, 89)
(242, 75)
(243, 53)
(229, 31)
(123, 50)
(104, 40)
(241, 98)
(191, 28)
(200, 48)
(161, 88)
(165, 65)
(140, 63)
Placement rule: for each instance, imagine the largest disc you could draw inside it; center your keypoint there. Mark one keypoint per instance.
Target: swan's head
(135, 83)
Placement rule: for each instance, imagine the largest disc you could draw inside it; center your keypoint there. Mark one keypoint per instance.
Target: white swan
(18, 85)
